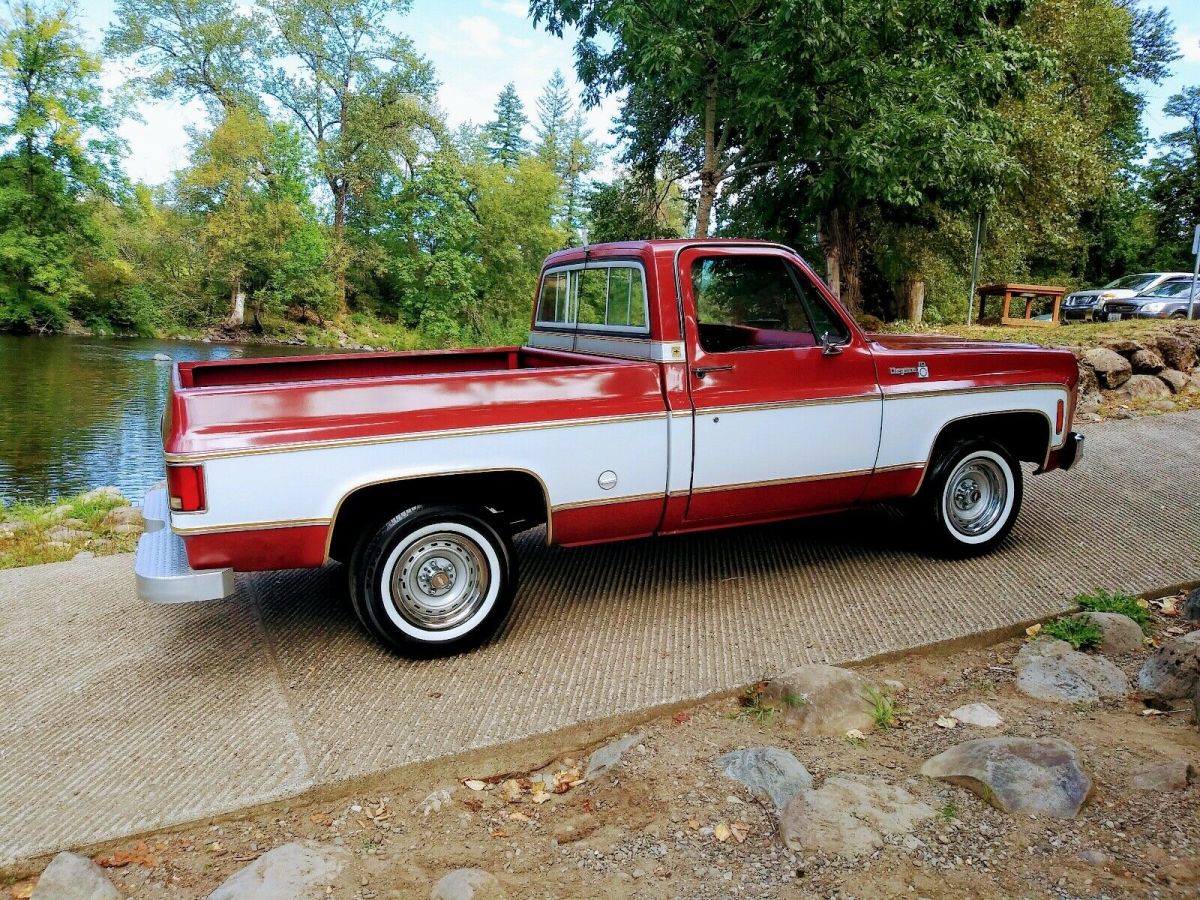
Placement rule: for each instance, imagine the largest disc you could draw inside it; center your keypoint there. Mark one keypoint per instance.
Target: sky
(477, 46)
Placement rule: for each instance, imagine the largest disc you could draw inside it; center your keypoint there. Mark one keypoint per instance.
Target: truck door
(786, 406)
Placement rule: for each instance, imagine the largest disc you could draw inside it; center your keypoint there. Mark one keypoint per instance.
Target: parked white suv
(1085, 306)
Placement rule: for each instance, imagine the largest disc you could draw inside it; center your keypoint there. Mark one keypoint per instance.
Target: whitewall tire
(972, 497)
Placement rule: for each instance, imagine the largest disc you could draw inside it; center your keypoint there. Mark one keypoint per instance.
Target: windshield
(1131, 282)
(1172, 289)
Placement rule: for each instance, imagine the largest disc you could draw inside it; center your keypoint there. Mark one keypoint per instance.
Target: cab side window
(746, 302)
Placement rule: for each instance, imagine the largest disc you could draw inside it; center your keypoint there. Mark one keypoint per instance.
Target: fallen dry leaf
(118, 859)
(475, 784)
(855, 735)
(680, 717)
(588, 806)
(321, 819)
(1143, 602)
(693, 824)
(739, 830)
(499, 833)
(510, 791)
(1170, 606)
(472, 804)
(1154, 712)
(518, 817)
(22, 890)
(1034, 630)
(946, 722)
(722, 832)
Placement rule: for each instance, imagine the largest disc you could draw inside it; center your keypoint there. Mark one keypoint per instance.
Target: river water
(82, 412)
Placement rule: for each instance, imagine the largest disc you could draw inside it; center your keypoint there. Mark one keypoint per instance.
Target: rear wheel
(433, 580)
(971, 497)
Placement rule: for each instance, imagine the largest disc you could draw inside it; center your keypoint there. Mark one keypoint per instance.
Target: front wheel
(971, 497)
(433, 580)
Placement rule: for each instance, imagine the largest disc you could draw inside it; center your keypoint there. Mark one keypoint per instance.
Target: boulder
(73, 877)
(1175, 351)
(1124, 346)
(767, 771)
(1173, 671)
(1121, 633)
(819, 699)
(978, 714)
(63, 534)
(1175, 775)
(123, 515)
(1019, 776)
(1088, 384)
(1190, 609)
(1146, 362)
(102, 493)
(468, 884)
(1143, 387)
(849, 815)
(1174, 379)
(609, 755)
(1111, 368)
(1050, 670)
(1193, 384)
(290, 872)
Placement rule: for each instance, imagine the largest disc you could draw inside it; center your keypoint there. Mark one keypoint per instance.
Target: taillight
(185, 486)
(1061, 415)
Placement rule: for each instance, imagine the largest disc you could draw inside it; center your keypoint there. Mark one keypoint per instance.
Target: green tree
(628, 209)
(554, 111)
(62, 149)
(1174, 180)
(358, 92)
(504, 135)
(190, 48)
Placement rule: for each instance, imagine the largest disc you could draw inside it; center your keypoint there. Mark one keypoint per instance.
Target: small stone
(1174, 379)
(1019, 776)
(849, 815)
(1112, 370)
(1173, 671)
(1146, 362)
(767, 771)
(1190, 609)
(102, 493)
(824, 700)
(73, 877)
(1175, 775)
(435, 801)
(1094, 857)
(1120, 633)
(1050, 670)
(65, 535)
(292, 871)
(123, 515)
(126, 528)
(468, 884)
(609, 755)
(978, 714)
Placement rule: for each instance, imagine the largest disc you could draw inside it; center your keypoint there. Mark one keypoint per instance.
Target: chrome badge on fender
(920, 370)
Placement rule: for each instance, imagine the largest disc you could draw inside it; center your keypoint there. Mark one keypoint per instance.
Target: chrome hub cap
(976, 496)
(440, 581)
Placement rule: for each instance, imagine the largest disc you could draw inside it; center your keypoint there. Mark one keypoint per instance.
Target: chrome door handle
(701, 371)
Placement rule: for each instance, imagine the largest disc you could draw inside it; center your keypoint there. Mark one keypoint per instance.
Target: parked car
(1088, 306)
(666, 387)
(1169, 301)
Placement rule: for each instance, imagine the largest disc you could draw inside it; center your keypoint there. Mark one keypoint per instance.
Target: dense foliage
(327, 191)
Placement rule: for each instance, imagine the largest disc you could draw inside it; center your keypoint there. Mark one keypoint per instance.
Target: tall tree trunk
(914, 297)
(339, 248)
(237, 304)
(708, 174)
(839, 238)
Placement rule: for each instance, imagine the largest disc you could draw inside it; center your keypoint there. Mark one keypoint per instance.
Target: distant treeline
(327, 187)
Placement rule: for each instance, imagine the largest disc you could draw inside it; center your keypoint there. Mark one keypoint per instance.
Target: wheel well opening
(515, 500)
(1026, 435)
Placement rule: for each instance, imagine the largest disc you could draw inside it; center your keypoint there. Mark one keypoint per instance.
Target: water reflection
(78, 412)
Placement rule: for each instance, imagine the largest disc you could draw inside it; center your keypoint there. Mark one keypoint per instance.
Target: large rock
(1143, 387)
(1111, 368)
(1174, 379)
(1175, 351)
(1121, 633)
(73, 877)
(1193, 384)
(767, 771)
(123, 515)
(1088, 384)
(1050, 670)
(1173, 671)
(849, 815)
(978, 714)
(1019, 776)
(290, 872)
(819, 699)
(1146, 362)
(468, 884)
(609, 755)
(1191, 606)
(1175, 775)
(102, 493)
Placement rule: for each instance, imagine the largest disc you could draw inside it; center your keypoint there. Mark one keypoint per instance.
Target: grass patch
(1080, 634)
(1124, 604)
(948, 811)
(884, 711)
(32, 534)
(1087, 334)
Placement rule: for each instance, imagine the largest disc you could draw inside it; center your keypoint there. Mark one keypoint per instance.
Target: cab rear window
(603, 296)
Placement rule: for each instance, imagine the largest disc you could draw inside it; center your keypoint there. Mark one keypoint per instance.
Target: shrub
(1079, 633)
(1101, 600)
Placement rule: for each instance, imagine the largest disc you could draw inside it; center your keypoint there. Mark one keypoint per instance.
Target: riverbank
(95, 523)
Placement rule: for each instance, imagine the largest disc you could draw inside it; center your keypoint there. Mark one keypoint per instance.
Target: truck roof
(657, 247)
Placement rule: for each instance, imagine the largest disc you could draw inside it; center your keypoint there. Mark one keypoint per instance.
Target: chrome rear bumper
(161, 564)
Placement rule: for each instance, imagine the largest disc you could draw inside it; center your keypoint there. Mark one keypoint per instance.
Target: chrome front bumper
(161, 564)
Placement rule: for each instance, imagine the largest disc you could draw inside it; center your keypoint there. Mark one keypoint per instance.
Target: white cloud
(1189, 44)
(511, 7)
(478, 36)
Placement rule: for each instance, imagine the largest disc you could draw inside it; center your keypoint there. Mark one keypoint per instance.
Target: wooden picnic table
(1027, 293)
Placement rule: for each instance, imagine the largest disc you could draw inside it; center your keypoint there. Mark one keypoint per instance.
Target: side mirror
(830, 347)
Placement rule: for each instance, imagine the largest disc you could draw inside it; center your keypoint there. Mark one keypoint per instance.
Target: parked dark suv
(1087, 306)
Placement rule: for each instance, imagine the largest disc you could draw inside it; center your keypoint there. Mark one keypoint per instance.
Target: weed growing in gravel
(753, 704)
(1080, 634)
(884, 711)
(948, 811)
(1101, 600)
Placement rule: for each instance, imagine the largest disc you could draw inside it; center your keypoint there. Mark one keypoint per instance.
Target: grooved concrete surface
(119, 716)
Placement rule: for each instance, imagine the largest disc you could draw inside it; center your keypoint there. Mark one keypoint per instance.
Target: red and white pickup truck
(667, 386)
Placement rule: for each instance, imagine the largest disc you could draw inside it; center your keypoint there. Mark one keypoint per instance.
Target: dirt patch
(653, 826)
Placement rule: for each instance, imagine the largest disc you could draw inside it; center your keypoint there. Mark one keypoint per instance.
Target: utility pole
(975, 264)
(1195, 270)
